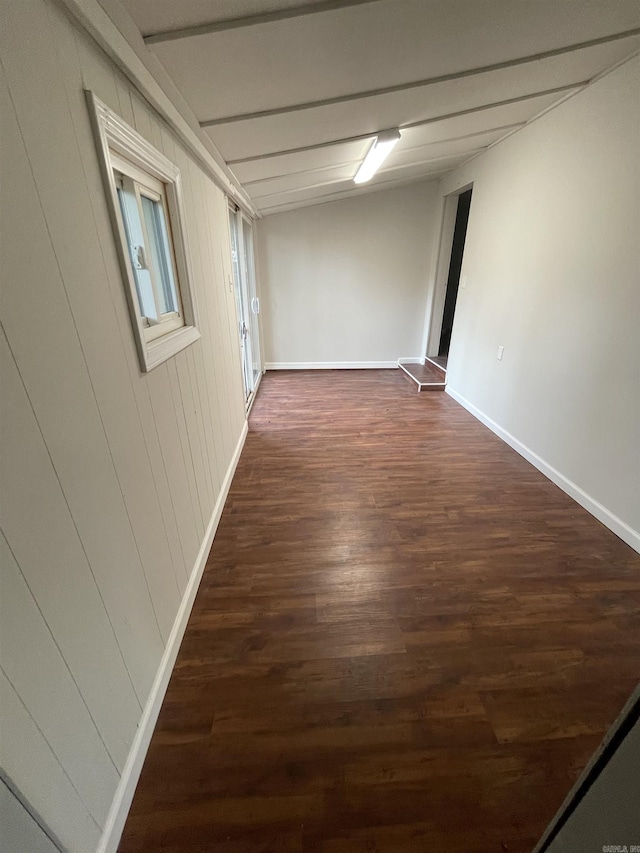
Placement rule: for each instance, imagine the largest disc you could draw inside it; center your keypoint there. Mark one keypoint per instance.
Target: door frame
(253, 298)
(235, 229)
(623, 724)
(435, 307)
(250, 349)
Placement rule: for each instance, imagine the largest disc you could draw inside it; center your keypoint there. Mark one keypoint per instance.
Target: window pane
(160, 257)
(135, 242)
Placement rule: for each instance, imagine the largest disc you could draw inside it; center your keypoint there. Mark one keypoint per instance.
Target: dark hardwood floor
(406, 640)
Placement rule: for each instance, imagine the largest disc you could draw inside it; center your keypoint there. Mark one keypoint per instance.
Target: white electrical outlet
(500, 351)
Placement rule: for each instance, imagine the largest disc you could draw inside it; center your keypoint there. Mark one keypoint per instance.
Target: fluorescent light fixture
(376, 155)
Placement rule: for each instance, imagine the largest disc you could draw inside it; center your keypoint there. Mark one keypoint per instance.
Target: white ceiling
(331, 74)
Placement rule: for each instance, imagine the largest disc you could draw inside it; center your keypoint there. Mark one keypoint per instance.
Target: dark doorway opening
(455, 265)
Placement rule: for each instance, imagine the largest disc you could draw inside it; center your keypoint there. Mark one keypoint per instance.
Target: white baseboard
(615, 524)
(329, 365)
(133, 766)
(412, 360)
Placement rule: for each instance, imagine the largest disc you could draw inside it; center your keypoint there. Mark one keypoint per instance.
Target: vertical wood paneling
(56, 569)
(148, 128)
(141, 119)
(45, 337)
(197, 221)
(194, 354)
(204, 359)
(158, 383)
(204, 227)
(31, 765)
(65, 39)
(97, 327)
(34, 665)
(98, 72)
(37, 503)
(111, 475)
(200, 227)
(189, 405)
(201, 393)
(124, 98)
(200, 389)
(184, 438)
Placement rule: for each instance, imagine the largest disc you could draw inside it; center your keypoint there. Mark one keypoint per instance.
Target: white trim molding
(126, 788)
(413, 360)
(615, 524)
(329, 365)
(114, 136)
(106, 22)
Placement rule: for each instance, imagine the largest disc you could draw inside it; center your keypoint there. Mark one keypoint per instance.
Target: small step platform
(439, 361)
(428, 377)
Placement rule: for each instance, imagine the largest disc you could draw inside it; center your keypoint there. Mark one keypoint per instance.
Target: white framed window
(144, 193)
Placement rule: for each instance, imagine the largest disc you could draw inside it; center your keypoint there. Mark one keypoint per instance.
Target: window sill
(158, 351)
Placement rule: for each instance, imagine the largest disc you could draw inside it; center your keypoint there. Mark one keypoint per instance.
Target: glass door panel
(241, 306)
(247, 301)
(253, 300)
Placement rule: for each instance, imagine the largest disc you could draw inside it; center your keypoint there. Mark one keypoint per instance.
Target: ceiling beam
(421, 123)
(502, 128)
(312, 171)
(418, 84)
(252, 20)
(455, 156)
(355, 191)
(498, 129)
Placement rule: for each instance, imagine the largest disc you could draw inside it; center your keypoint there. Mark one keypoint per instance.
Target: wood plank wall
(109, 476)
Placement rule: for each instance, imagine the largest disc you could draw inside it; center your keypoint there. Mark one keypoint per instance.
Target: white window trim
(142, 185)
(113, 134)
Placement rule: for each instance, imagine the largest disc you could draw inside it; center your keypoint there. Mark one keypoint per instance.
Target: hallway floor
(406, 639)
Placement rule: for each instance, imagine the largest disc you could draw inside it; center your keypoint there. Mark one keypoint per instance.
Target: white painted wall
(346, 282)
(111, 479)
(553, 273)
